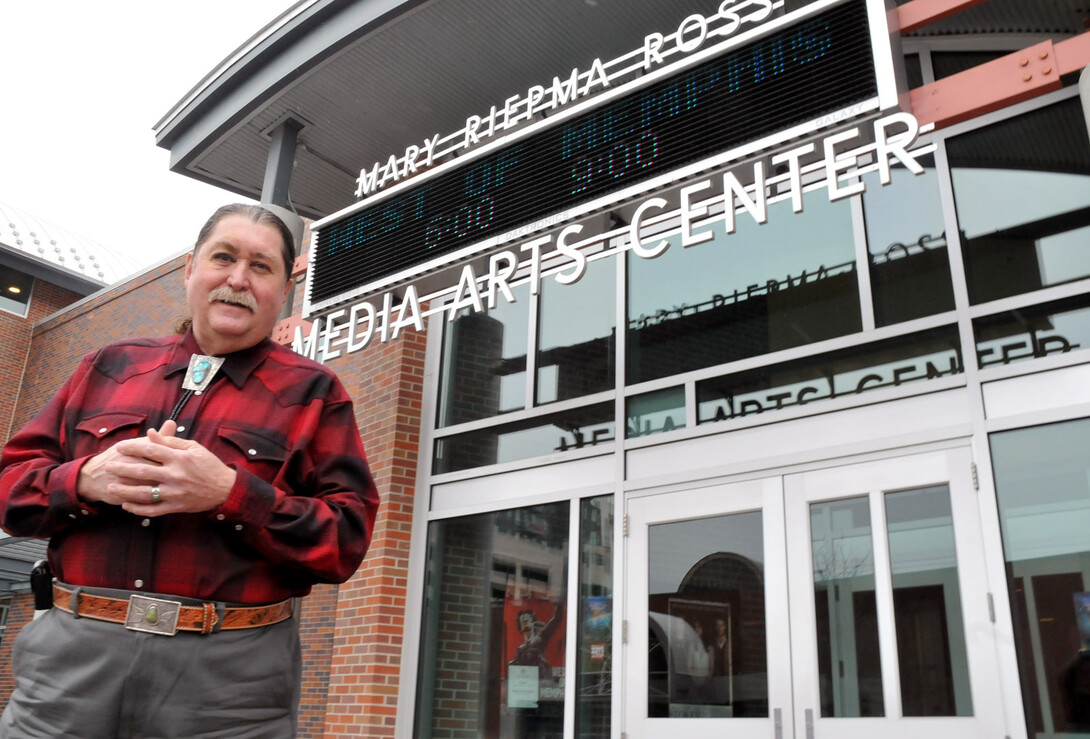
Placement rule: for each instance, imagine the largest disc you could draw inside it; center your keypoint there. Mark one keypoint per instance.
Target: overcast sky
(81, 86)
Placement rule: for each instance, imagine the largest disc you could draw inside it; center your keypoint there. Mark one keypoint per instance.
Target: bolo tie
(198, 376)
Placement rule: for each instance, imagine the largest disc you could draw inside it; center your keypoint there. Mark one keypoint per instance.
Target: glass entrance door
(708, 651)
(845, 602)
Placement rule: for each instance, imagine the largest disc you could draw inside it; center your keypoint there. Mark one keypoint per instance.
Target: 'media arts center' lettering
(560, 255)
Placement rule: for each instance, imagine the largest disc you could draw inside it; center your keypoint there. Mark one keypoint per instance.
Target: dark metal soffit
(370, 77)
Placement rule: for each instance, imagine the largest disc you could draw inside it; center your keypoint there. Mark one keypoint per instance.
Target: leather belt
(165, 616)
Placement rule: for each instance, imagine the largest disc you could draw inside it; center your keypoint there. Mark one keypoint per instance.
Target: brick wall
(22, 608)
(386, 381)
(316, 640)
(15, 336)
(459, 700)
(147, 305)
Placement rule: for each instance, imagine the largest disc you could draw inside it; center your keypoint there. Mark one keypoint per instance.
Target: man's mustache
(236, 297)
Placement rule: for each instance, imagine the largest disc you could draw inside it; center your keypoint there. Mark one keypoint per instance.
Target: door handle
(777, 722)
(809, 723)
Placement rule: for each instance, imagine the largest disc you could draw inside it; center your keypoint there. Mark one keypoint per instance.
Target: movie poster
(534, 664)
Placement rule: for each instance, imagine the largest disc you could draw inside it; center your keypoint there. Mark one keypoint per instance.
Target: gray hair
(256, 214)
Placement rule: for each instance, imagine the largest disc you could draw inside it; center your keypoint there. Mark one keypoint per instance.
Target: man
(192, 487)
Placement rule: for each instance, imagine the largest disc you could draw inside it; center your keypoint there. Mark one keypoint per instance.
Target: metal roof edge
(305, 36)
(266, 35)
(42, 269)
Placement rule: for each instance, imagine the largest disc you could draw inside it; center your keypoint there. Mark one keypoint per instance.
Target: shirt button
(85, 512)
(139, 583)
(220, 516)
(71, 515)
(103, 430)
(181, 428)
(238, 527)
(198, 392)
(146, 522)
(252, 452)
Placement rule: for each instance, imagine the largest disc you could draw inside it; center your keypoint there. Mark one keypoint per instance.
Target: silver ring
(155, 495)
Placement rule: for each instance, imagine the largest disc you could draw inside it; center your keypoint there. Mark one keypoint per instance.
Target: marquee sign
(842, 158)
(785, 77)
(696, 32)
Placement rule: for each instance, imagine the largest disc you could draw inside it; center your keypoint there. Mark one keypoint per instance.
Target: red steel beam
(284, 331)
(993, 85)
(1073, 54)
(299, 267)
(1005, 81)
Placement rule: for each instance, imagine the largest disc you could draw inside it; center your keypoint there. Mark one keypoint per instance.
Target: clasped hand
(189, 477)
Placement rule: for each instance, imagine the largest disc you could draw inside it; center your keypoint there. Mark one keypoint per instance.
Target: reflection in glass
(788, 282)
(655, 413)
(927, 604)
(1033, 332)
(492, 647)
(707, 656)
(849, 372)
(575, 352)
(579, 428)
(1042, 480)
(906, 239)
(484, 362)
(846, 615)
(594, 629)
(1023, 201)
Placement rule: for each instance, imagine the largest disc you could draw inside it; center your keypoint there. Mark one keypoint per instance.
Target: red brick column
(316, 642)
(386, 382)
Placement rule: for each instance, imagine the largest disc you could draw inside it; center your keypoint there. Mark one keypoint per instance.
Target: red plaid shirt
(302, 508)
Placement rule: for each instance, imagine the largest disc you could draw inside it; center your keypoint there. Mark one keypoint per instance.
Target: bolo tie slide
(198, 376)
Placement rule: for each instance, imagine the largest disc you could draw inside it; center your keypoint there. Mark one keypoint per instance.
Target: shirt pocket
(103, 430)
(250, 450)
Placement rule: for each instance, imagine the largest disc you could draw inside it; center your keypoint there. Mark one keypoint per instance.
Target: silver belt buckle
(153, 615)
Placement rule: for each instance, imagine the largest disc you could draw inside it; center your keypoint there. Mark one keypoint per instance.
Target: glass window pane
(492, 648)
(1022, 188)
(1042, 480)
(788, 282)
(655, 413)
(484, 362)
(906, 239)
(850, 372)
(913, 71)
(595, 627)
(534, 437)
(1034, 332)
(15, 289)
(849, 659)
(927, 604)
(706, 652)
(575, 353)
(948, 63)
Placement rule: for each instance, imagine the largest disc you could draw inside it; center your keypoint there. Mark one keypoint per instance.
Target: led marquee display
(816, 67)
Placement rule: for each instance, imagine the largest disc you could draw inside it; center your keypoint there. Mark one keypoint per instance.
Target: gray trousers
(91, 679)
